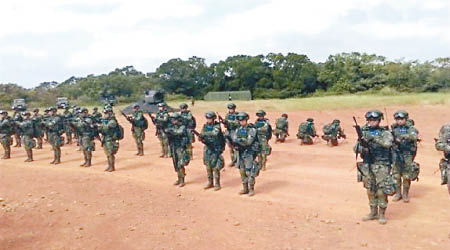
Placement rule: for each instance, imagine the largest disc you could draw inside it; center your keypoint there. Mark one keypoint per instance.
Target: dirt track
(307, 198)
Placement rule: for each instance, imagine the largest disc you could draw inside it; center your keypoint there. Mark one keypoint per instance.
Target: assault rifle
(128, 119)
(365, 153)
(154, 123)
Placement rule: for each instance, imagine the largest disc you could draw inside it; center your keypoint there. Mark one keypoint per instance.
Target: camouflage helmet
(183, 106)
(260, 113)
(401, 114)
(231, 106)
(336, 121)
(107, 110)
(310, 120)
(161, 104)
(36, 110)
(83, 110)
(3, 112)
(136, 105)
(285, 115)
(242, 116)
(95, 108)
(210, 115)
(24, 113)
(52, 109)
(374, 114)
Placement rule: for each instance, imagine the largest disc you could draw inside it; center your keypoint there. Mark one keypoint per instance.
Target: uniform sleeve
(249, 140)
(385, 140)
(442, 142)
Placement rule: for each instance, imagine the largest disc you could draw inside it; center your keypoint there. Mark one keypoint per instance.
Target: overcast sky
(52, 40)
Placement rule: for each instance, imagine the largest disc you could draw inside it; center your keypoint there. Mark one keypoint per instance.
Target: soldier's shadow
(397, 209)
(270, 185)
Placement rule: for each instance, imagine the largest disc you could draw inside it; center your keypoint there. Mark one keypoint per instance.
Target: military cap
(260, 113)
(285, 115)
(374, 114)
(310, 119)
(183, 106)
(242, 116)
(210, 115)
(231, 106)
(401, 114)
(36, 110)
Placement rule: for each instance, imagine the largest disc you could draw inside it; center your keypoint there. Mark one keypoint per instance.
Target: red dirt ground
(308, 198)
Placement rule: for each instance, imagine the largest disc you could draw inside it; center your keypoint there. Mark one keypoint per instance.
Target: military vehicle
(19, 104)
(149, 104)
(62, 102)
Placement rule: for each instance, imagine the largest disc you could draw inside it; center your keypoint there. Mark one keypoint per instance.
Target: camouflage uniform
(45, 118)
(139, 126)
(108, 127)
(376, 166)
(281, 128)
(188, 120)
(55, 128)
(67, 117)
(443, 144)
(162, 120)
(6, 128)
(245, 140)
(332, 132)
(404, 151)
(306, 132)
(231, 124)
(87, 131)
(27, 128)
(264, 131)
(177, 135)
(17, 131)
(214, 140)
(38, 127)
(96, 116)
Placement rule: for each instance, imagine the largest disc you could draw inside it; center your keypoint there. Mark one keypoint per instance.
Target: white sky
(52, 40)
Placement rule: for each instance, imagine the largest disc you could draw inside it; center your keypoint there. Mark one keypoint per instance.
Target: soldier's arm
(249, 140)
(385, 140)
(442, 142)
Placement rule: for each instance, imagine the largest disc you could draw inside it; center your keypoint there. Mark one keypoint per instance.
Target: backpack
(280, 124)
(145, 123)
(269, 131)
(327, 129)
(303, 128)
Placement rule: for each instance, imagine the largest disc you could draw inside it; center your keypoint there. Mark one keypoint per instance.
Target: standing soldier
(55, 128)
(86, 126)
(188, 120)
(96, 116)
(332, 132)
(231, 124)
(281, 128)
(138, 126)
(246, 142)
(38, 127)
(374, 145)
(306, 132)
(6, 128)
(112, 133)
(264, 131)
(443, 144)
(45, 118)
(162, 122)
(67, 117)
(405, 169)
(178, 141)
(27, 128)
(214, 140)
(17, 131)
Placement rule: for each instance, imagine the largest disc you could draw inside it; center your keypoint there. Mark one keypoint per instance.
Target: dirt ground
(308, 198)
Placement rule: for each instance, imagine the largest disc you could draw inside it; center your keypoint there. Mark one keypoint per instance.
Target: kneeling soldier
(306, 132)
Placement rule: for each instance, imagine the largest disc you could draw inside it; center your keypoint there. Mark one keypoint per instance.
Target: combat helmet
(401, 114)
(260, 113)
(210, 115)
(284, 115)
(242, 116)
(231, 106)
(374, 114)
(183, 106)
(310, 120)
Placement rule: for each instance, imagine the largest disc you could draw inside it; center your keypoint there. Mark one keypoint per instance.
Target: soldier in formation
(404, 151)
(306, 132)
(231, 124)
(281, 128)
(54, 124)
(6, 129)
(244, 140)
(17, 117)
(67, 117)
(332, 132)
(38, 127)
(264, 131)
(177, 135)
(27, 127)
(138, 126)
(211, 135)
(374, 145)
(162, 122)
(188, 120)
(87, 131)
(111, 133)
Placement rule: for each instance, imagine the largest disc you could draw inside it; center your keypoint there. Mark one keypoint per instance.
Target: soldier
(188, 120)
(55, 128)
(332, 132)
(405, 169)
(45, 118)
(67, 117)
(375, 149)
(138, 126)
(245, 140)
(443, 144)
(6, 128)
(38, 127)
(264, 131)
(306, 132)
(17, 131)
(87, 131)
(177, 135)
(281, 128)
(109, 128)
(96, 116)
(27, 128)
(231, 124)
(214, 140)
(162, 121)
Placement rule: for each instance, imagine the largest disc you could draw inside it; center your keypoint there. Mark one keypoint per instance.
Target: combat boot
(29, 156)
(177, 182)
(58, 157)
(405, 194)
(210, 182)
(372, 215)
(381, 219)
(85, 160)
(217, 181)
(398, 193)
(251, 190)
(244, 189)
(88, 159)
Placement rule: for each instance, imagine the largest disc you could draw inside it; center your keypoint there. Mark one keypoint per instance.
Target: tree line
(266, 76)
